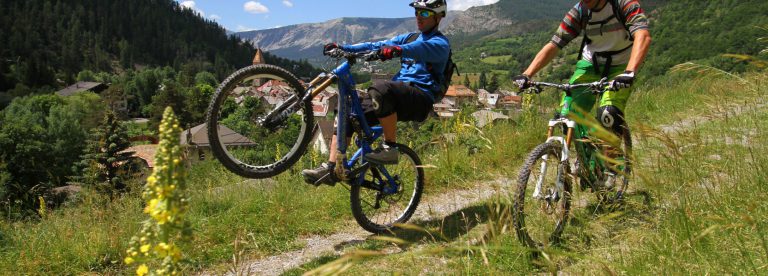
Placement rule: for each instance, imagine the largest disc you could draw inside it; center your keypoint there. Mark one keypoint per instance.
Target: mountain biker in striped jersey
(615, 42)
(411, 92)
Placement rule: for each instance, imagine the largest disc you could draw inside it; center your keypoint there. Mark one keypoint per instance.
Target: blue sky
(244, 15)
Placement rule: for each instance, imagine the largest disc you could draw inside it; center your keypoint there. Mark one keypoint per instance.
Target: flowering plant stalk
(155, 250)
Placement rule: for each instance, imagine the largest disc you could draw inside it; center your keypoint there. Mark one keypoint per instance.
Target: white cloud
(463, 5)
(288, 3)
(188, 4)
(192, 6)
(214, 17)
(255, 7)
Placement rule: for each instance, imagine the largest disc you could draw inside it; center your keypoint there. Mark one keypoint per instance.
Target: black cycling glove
(523, 81)
(623, 80)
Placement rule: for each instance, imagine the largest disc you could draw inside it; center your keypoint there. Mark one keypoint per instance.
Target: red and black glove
(390, 52)
(328, 47)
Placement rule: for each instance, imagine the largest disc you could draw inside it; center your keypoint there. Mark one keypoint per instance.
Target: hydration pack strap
(608, 55)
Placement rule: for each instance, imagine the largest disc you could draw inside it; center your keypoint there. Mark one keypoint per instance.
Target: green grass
(496, 59)
(697, 208)
(696, 205)
(264, 218)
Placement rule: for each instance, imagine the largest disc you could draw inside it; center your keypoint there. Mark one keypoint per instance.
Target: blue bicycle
(261, 121)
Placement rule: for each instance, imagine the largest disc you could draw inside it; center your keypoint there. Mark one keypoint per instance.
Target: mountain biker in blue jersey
(410, 94)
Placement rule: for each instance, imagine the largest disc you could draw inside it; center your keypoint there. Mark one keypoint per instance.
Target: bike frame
(348, 109)
(574, 130)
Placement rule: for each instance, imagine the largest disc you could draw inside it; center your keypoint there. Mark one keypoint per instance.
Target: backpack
(608, 55)
(443, 78)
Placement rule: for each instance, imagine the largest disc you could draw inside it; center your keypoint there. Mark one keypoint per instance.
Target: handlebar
(597, 87)
(352, 56)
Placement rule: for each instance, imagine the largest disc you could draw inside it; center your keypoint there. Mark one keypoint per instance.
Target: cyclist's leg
(610, 113)
(311, 176)
(583, 99)
(393, 102)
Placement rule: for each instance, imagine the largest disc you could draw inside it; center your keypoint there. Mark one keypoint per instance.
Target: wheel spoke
(396, 207)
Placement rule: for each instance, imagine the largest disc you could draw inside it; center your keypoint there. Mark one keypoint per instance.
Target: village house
(510, 102)
(325, 102)
(117, 101)
(321, 141)
(82, 86)
(486, 117)
(487, 99)
(458, 95)
(444, 110)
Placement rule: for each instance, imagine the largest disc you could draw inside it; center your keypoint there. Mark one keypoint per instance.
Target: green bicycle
(544, 190)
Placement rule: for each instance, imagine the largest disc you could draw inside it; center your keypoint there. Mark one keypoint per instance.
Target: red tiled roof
(459, 91)
(146, 152)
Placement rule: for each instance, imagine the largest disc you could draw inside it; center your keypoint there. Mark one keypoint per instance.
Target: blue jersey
(431, 48)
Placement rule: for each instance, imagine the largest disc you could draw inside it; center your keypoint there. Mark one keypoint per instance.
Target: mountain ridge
(303, 41)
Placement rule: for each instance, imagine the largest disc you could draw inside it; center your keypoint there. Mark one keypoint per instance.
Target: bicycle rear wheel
(540, 218)
(258, 126)
(376, 205)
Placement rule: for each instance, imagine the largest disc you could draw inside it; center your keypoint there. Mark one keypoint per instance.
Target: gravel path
(432, 207)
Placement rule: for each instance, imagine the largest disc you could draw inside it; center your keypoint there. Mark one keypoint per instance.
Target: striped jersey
(604, 30)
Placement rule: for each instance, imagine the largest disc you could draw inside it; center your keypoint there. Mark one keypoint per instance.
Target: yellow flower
(151, 206)
(151, 180)
(142, 270)
(128, 260)
(144, 248)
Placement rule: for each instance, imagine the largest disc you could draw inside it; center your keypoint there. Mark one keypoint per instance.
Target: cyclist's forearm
(360, 47)
(547, 53)
(639, 49)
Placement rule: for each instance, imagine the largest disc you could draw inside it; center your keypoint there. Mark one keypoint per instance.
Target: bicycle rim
(240, 137)
(378, 212)
(540, 220)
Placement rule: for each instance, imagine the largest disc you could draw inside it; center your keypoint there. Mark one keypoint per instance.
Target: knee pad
(611, 118)
(381, 99)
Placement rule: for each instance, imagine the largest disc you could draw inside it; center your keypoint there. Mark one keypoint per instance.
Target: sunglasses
(424, 13)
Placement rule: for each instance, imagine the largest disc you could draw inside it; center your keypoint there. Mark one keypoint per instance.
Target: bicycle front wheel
(540, 215)
(258, 125)
(377, 203)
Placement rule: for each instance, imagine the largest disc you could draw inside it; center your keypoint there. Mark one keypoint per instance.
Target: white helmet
(437, 6)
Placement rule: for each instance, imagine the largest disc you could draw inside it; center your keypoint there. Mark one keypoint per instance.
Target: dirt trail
(435, 206)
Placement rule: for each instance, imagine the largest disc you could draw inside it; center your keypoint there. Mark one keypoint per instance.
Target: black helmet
(437, 6)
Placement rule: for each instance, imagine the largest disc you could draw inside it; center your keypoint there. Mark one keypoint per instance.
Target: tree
(494, 84)
(86, 75)
(206, 77)
(41, 139)
(170, 94)
(105, 158)
(198, 99)
(482, 81)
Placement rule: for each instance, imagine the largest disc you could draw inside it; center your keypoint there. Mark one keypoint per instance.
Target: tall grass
(695, 203)
(695, 206)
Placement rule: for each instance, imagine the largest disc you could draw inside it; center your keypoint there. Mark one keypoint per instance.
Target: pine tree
(482, 82)
(105, 156)
(494, 84)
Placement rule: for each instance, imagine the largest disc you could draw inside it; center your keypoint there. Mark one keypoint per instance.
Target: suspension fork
(566, 142)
